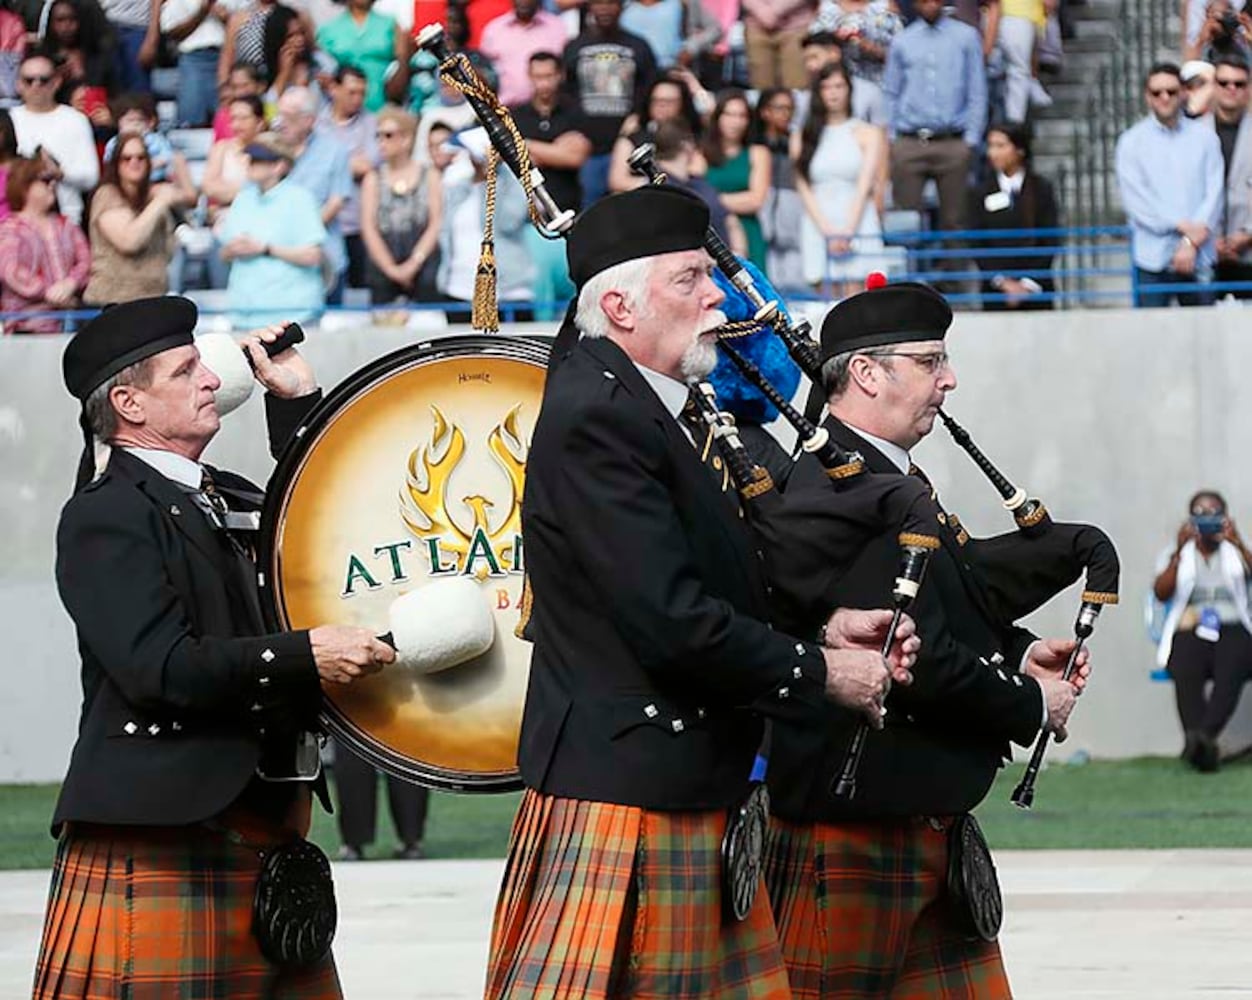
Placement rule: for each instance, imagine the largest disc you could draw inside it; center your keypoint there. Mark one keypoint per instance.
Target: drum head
(411, 471)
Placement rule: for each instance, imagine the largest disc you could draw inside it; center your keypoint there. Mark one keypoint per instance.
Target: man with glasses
(57, 132)
(1169, 172)
(858, 883)
(1230, 113)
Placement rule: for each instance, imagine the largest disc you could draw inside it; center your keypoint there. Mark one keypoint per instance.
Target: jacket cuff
(802, 688)
(279, 666)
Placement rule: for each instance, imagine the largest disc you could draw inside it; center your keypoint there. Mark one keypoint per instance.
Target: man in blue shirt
(1172, 178)
(273, 238)
(935, 86)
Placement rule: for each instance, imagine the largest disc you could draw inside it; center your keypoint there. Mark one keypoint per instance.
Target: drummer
(651, 659)
(191, 754)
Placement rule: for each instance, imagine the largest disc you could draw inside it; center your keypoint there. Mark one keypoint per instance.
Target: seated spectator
(131, 228)
(1013, 197)
(1197, 83)
(773, 31)
(783, 213)
(511, 39)
(44, 258)
(8, 153)
(226, 172)
(1234, 133)
(738, 168)
(553, 130)
(607, 73)
(864, 29)
(1206, 642)
(679, 31)
(273, 241)
(374, 44)
(1221, 29)
(667, 99)
(1170, 175)
(243, 81)
(837, 160)
(199, 33)
(79, 55)
(63, 135)
(320, 166)
(934, 131)
(676, 155)
(461, 229)
(401, 212)
(136, 114)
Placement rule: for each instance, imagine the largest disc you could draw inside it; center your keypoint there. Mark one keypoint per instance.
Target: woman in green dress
(738, 168)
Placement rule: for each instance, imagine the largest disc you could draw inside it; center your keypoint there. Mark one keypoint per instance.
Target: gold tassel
(486, 313)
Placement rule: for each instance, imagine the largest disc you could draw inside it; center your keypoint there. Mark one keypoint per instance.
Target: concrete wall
(1111, 417)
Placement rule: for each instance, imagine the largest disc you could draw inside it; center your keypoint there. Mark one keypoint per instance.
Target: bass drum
(410, 471)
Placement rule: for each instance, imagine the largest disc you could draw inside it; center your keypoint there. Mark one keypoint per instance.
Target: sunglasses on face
(32, 81)
(133, 158)
(1232, 84)
(1164, 92)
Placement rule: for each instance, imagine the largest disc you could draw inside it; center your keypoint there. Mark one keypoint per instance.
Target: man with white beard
(653, 664)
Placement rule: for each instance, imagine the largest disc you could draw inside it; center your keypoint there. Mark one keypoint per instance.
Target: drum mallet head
(226, 358)
(222, 355)
(440, 625)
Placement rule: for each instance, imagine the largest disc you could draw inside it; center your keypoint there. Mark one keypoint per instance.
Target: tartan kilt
(154, 913)
(603, 900)
(862, 913)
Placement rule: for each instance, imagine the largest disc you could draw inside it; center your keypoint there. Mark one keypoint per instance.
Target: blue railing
(1091, 266)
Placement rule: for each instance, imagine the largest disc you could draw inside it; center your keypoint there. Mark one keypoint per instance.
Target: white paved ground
(1081, 925)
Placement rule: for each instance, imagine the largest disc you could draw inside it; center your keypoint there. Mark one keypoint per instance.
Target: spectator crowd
(293, 153)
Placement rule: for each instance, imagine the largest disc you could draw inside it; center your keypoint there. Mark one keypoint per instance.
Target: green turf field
(1149, 802)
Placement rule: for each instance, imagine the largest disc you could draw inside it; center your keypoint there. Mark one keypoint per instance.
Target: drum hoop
(527, 349)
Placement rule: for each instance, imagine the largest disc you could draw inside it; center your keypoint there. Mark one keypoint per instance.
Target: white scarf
(1231, 563)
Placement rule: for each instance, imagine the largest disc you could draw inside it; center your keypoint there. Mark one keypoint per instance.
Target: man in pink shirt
(511, 39)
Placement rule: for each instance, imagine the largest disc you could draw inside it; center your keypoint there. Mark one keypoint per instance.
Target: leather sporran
(743, 852)
(973, 888)
(293, 912)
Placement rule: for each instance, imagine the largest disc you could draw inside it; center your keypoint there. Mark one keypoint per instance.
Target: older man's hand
(859, 680)
(851, 628)
(287, 374)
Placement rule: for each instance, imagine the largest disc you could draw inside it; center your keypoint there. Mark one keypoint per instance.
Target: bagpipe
(1023, 570)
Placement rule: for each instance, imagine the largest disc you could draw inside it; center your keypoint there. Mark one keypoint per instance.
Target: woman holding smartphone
(1207, 639)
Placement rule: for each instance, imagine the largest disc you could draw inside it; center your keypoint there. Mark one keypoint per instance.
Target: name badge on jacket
(997, 201)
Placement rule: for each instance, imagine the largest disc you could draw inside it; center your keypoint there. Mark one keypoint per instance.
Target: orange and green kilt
(159, 913)
(861, 913)
(605, 900)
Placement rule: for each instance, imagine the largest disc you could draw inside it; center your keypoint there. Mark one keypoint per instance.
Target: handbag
(973, 888)
(293, 911)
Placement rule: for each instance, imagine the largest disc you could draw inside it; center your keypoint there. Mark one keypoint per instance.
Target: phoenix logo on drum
(480, 545)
